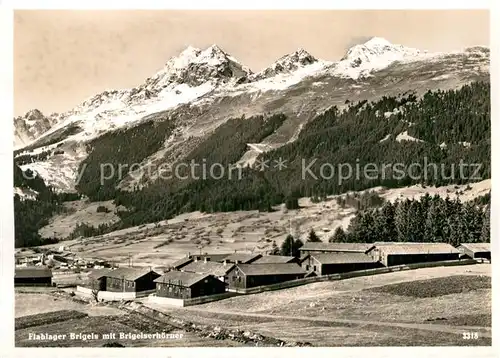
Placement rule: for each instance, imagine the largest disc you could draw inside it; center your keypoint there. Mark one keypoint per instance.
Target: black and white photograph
(251, 178)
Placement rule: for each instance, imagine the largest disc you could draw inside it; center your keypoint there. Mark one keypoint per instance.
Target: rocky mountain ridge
(201, 89)
(196, 73)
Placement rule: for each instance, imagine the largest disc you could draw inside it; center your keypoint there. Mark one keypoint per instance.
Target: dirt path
(484, 331)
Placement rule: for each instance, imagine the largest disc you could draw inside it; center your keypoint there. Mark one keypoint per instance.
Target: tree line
(428, 219)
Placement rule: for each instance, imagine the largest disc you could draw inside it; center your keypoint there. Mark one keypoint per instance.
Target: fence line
(345, 275)
(145, 293)
(180, 302)
(110, 295)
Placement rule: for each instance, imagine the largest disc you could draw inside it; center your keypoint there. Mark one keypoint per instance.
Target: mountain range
(201, 89)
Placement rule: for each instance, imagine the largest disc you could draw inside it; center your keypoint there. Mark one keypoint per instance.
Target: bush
(292, 203)
(102, 209)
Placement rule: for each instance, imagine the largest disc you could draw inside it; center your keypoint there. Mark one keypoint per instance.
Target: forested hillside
(119, 150)
(441, 128)
(31, 215)
(460, 119)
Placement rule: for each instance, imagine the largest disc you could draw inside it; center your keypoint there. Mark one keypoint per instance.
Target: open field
(436, 287)
(357, 312)
(76, 212)
(104, 325)
(41, 319)
(166, 241)
(58, 314)
(64, 316)
(36, 303)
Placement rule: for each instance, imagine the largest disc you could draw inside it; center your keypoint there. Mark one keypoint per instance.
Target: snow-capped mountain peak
(299, 57)
(288, 63)
(31, 125)
(194, 67)
(188, 55)
(376, 47)
(375, 54)
(212, 55)
(377, 42)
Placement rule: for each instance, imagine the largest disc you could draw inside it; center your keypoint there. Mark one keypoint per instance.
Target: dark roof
(181, 262)
(127, 273)
(32, 271)
(336, 246)
(407, 248)
(98, 273)
(162, 268)
(271, 269)
(209, 267)
(241, 257)
(342, 258)
(477, 246)
(274, 259)
(186, 260)
(212, 257)
(180, 278)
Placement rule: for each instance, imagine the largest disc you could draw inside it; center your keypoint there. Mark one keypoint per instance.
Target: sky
(62, 57)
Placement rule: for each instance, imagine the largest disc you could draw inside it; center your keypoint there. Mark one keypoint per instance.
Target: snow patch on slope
(25, 193)
(385, 138)
(61, 171)
(283, 81)
(405, 136)
(452, 191)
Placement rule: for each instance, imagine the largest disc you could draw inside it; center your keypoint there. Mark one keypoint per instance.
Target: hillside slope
(381, 104)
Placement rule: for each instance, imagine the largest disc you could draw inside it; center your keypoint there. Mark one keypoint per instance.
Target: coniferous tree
(449, 213)
(296, 246)
(435, 221)
(474, 220)
(339, 235)
(361, 227)
(457, 228)
(312, 237)
(401, 220)
(287, 247)
(485, 230)
(292, 203)
(425, 203)
(385, 223)
(416, 220)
